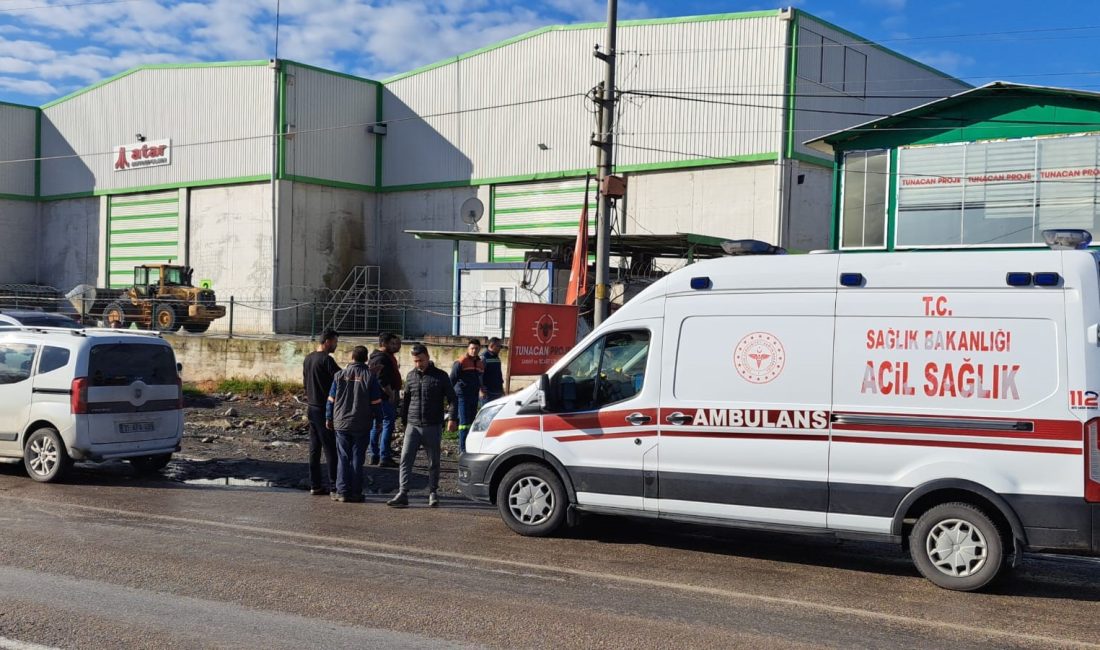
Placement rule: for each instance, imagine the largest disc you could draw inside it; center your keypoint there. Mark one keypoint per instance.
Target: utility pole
(605, 163)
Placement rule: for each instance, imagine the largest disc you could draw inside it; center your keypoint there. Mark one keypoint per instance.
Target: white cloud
(31, 87)
(70, 46)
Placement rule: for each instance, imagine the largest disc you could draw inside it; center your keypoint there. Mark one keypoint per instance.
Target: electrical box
(613, 187)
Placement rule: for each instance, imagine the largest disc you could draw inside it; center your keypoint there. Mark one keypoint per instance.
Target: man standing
(427, 392)
(492, 381)
(466, 378)
(318, 370)
(386, 415)
(355, 394)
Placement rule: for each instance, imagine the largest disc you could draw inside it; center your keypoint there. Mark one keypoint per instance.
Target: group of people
(354, 410)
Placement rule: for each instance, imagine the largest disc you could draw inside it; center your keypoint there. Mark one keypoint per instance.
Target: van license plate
(136, 427)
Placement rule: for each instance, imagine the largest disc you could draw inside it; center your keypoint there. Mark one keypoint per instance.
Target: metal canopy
(677, 245)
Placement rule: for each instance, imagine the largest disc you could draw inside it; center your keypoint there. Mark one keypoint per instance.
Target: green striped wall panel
(141, 229)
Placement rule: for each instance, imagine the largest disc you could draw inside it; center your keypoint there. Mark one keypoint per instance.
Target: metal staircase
(353, 308)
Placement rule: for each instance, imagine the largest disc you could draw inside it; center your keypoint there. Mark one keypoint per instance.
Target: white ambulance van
(947, 401)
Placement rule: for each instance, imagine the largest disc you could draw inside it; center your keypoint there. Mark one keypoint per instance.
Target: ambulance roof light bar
(1067, 238)
(750, 247)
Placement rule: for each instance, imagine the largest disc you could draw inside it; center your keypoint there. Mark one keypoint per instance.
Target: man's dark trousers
(385, 420)
(321, 439)
(352, 447)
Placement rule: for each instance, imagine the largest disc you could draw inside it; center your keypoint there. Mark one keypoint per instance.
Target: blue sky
(51, 47)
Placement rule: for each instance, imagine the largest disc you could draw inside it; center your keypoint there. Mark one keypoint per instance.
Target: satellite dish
(471, 211)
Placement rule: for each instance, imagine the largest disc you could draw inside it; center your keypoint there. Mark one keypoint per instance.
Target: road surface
(111, 561)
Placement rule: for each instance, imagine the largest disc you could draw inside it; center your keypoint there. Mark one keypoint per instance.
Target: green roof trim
(579, 26)
(17, 197)
(324, 182)
(157, 66)
(240, 180)
(334, 73)
(580, 173)
(882, 48)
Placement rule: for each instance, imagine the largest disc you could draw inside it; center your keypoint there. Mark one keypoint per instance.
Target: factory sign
(143, 154)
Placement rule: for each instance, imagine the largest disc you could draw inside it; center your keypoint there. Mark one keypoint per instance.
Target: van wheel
(957, 546)
(532, 500)
(150, 464)
(164, 318)
(45, 457)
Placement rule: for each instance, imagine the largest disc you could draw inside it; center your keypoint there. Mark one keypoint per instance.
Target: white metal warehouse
(190, 162)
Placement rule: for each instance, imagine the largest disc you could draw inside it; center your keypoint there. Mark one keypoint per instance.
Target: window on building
(863, 219)
(997, 193)
(831, 64)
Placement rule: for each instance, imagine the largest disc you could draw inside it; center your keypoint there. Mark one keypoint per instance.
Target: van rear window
(118, 364)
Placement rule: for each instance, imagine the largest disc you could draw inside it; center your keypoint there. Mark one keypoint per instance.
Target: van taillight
(179, 384)
(78, 396)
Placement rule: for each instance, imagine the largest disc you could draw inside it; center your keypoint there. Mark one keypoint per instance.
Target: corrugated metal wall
(141, 229)
(327, 114)
(744, 53)
(891, 83)
(17, 133)
(220, 121)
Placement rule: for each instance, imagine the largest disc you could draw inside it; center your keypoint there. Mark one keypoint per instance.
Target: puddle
(230, 481)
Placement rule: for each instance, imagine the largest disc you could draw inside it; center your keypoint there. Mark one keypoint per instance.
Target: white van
(68, 395)
(942, 400)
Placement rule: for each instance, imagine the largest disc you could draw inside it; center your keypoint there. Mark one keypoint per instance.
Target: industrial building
(277, 179)
(990, 167)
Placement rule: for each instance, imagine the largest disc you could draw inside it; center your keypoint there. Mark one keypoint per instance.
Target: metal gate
(141, 229)
(549, 207)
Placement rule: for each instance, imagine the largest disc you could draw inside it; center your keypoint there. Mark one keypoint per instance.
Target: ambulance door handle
(638, 419)
(678, 418)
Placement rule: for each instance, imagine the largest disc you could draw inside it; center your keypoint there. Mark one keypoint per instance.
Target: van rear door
(133, 392)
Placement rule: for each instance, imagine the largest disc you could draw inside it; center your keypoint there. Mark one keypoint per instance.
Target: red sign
(143, 154)
(541, 334)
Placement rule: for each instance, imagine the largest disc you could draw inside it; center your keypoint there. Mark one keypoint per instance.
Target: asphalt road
(110, 561)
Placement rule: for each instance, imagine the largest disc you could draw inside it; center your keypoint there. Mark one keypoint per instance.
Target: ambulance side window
(610, 370)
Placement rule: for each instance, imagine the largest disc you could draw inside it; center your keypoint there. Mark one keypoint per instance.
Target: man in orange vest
(466, 374)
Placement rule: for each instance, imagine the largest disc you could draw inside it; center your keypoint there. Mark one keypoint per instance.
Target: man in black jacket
(318, 371)
(428, 392)
(385, 416)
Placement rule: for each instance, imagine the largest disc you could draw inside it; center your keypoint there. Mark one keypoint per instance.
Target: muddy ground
(264, 441)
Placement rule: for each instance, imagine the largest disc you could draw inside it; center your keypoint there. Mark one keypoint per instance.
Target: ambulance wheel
(957, 547)
(532, 500)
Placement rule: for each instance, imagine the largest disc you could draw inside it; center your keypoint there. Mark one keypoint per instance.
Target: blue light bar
(851, 279)
(701, 283)
(1018, 279)
(1047, 279)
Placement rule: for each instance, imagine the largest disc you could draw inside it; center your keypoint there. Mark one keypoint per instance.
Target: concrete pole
(606, 164)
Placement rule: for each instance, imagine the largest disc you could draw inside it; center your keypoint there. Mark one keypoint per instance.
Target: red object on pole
(578, 276)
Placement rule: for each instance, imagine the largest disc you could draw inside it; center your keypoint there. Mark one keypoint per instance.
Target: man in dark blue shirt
(492, 380)
(354, 396)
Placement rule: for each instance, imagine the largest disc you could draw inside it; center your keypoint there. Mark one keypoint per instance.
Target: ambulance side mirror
(545, 398)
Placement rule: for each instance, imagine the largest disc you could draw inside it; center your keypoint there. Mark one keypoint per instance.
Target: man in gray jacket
(428, 392)
(354, 396)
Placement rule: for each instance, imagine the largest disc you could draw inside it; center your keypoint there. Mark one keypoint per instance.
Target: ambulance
(948, 402)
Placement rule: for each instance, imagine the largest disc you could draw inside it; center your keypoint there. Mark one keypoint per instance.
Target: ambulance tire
(532, 500)
(957, 546)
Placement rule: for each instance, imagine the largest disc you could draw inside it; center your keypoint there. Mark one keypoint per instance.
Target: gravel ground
(265, 441)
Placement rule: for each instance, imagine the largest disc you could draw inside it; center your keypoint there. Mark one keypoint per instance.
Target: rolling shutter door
(141, 229)
(552, 207)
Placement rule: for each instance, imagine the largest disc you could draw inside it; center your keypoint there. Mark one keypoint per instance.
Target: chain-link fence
(404, 312)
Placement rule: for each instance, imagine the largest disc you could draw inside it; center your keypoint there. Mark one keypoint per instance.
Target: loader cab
(150, 280)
